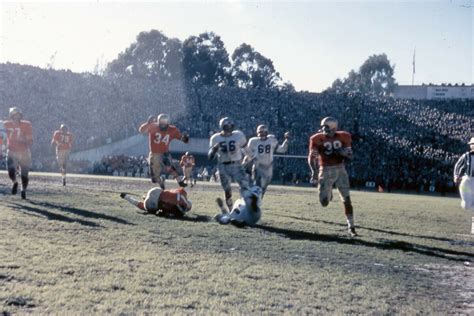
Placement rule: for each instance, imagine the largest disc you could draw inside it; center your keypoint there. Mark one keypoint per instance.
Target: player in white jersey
(259, 155)
(227, 147)
(244, 211)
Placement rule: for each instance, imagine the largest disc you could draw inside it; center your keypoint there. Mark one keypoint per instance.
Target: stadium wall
(137, 145)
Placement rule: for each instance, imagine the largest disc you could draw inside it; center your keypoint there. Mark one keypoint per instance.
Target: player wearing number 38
(328, 148)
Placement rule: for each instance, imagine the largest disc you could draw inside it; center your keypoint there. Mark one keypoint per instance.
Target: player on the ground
(187, 163)
(244, 211)
(464, 177)
(328, 149)
(162, 202)
(259, 156)
(227, 146)
(63, 140)
(19, 141)
(160, 134)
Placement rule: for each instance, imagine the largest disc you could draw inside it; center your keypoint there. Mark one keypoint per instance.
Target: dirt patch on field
(460, 279)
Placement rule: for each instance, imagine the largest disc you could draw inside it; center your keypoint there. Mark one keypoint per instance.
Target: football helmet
(329, 125)
(14, 111)
(226, 124)
(262, 131)
(163, 120)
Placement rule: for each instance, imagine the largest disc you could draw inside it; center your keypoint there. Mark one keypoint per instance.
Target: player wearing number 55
(160, 134)
(328, 149)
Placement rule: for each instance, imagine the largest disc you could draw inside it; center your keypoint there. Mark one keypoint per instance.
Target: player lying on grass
(244, 211)
(162, 202)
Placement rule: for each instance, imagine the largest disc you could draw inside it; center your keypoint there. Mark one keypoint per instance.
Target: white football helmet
(226, 124)
(163, 120)
(329, 125)
(262, 131)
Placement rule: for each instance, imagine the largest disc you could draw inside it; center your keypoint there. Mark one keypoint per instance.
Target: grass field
(81, 249)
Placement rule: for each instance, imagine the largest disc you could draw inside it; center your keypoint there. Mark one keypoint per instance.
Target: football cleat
(15, 188)
(352, 232)
(23, 194)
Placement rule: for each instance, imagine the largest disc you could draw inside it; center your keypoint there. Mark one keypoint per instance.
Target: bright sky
(311, 43)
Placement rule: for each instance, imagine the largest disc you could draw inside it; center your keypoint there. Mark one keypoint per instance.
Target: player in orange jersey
(63, 140)
(187, 163)
(329, 148)
(160, 134)
(162, 202)
(19, 140)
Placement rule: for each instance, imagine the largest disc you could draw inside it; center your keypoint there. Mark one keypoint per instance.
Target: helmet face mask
(227, 125)
(163, 121)
(262, 131)
(329, 125)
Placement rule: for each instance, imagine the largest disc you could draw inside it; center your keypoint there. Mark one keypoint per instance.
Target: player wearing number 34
(328, 148)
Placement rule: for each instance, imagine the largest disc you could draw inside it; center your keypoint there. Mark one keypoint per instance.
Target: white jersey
(230, 147)
(262, 150)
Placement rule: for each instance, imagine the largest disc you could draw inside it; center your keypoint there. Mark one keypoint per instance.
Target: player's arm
(29, 135)
(346, 150)
(283, 148)
(53, 141)
(460, 168)
(313, 161)
(213, 148)
(146, 126)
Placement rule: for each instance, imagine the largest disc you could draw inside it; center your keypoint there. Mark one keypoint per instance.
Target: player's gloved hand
(151, 119)
(314, 179)
(185, 137)
(287, 136)
(457, 180)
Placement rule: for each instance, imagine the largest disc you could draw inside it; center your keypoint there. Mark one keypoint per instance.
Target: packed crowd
(400, 144)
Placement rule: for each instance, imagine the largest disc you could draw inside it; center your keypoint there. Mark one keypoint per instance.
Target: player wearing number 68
(259, 156)
(328, 149)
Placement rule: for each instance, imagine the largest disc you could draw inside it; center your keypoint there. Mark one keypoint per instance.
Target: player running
(328, 148)
(464, 177)
(187, 163)
(162, 202)
(227, 146)
(160, 134)
(63, 140)
(244, 211)
(260, 152)
(19, 141)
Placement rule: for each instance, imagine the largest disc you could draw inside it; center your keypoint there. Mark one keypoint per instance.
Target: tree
(153, 56)
(253, 70)
(374, 76)
(205, 59)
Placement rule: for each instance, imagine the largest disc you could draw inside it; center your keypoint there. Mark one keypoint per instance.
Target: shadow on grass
(81, 212)
(196, 218)
(383, 244)
(51, 216)
(391, 232)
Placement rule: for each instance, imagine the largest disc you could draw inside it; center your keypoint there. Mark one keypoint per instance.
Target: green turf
(81, 249)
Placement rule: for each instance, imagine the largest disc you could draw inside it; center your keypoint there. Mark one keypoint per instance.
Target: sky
(311, 43)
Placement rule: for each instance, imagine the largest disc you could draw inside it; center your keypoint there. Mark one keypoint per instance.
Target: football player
(162, 202)
(227, 146)
(19, 141)
(328, 149)
(160, 134)
(259, 156)
(244, 211)
(187, 163)
(63, 140)
(464, 177)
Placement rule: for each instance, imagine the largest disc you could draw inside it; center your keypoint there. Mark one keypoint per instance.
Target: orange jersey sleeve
(62, 140)
(19, 136)
(159, 140)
